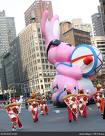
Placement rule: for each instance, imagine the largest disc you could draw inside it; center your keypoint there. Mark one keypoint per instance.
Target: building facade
(99, 41)
(76, 36)
(37, 73)
(7, 32)
(7, 35)
(36, 9)
(78, 24)
(11, 65)
(102, 6)
(97, 23)
(64, 26)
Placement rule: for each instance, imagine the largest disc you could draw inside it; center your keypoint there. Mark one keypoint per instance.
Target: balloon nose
(88, 60)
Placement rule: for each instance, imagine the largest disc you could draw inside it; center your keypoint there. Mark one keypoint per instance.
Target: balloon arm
(73, 72)
(50, 28)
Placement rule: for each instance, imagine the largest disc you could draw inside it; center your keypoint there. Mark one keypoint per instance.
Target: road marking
(91, 109)
(57, 111)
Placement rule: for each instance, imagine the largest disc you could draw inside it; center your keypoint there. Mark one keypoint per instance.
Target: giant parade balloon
(74, 65)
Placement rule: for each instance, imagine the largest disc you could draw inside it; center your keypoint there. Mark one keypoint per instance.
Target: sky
(65, 9)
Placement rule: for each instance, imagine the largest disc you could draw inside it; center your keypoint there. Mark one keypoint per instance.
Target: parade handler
(12, 110)
(33, 108)
(98, 96)
(82, 102)
(43, 106)
(103, 107)
(72, 106)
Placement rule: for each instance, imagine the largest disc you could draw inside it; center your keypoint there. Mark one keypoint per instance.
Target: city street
(56, 121)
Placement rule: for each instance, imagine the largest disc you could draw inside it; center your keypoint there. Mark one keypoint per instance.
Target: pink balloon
(59, 53)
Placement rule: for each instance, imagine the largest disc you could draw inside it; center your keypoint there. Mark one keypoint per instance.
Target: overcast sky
(66, 9)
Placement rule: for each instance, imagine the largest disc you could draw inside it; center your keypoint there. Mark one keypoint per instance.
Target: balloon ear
(50, 29)
(43, 23)
(56, 28)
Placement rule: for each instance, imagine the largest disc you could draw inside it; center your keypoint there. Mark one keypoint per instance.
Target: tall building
(76, 36)
(102, 6)
(64, 26)
(37, 73)
(36, 9)
(2, 13)
(7, 32)
(97, 23)
(78, 24)
(99, 41)
(7, 35)
(11, 64)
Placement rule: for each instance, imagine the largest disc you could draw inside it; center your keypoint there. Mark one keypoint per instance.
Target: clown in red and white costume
(12, 99)
(43, 105)
(33, 108)
(98, 96)
(13, 113)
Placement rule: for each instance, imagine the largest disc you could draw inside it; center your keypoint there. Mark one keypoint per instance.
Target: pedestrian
(20, 101)
(103, 106)
(33, 95)
(13, 112)
(99, 87)
(104, 112)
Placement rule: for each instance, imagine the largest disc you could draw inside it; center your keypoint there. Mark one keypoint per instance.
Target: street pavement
(56, 121)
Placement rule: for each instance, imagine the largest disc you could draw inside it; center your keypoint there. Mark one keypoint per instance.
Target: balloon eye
(55, 42)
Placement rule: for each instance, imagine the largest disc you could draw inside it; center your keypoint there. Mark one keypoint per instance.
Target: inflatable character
(74, 65)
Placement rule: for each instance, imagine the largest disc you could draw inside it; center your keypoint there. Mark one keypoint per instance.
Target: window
(44, 74)
(36, 47)
(38, 29)
(42, 54)
(39, 35)
(37, 54)
(40, 42)
(42, 60)
(46, 66)
(43, 42)
(43, 67)
(40, 47)
(40, 74)
(51, 67)
(41, 81)
(46, 60)
(45, 79)
(41, 86)
(39, 67)
(48, 79)
(38, 60)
